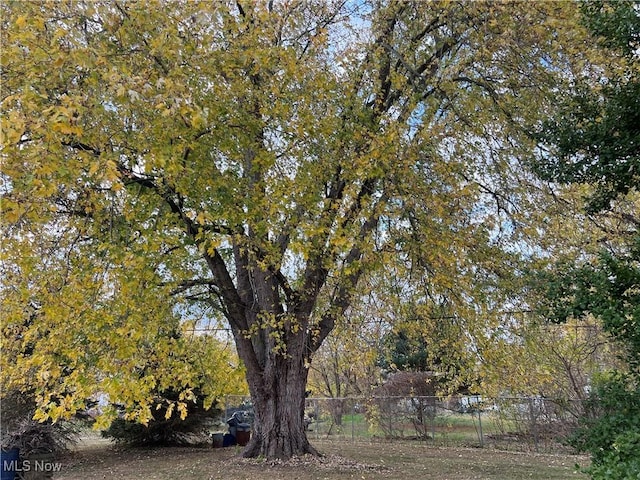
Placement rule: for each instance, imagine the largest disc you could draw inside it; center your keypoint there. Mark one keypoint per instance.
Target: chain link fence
(512, 423)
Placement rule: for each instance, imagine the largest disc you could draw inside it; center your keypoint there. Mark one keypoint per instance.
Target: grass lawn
(343, 460)
(445, 430)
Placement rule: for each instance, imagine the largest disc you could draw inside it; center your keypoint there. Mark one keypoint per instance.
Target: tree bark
(278, 430)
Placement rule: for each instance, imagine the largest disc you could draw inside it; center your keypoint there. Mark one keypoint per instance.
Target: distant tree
(556, 361)
(406, 353)
(436, 344)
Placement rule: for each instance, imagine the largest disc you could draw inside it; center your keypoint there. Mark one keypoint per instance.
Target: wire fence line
(512, 423)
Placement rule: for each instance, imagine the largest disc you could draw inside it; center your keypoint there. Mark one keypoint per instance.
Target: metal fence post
(433, 419)
(480, 434)
(353, 420)
(534, 429)
(315, 403)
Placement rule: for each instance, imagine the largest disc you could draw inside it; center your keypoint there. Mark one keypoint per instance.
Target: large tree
(595, 141)
(258, 159)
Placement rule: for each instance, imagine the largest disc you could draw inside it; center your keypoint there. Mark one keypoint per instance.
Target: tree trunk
(279, 399)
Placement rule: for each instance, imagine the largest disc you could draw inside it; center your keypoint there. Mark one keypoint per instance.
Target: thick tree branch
(185, 285)
(82, 146)
(215, 262)
(344, 291)
(383, 40)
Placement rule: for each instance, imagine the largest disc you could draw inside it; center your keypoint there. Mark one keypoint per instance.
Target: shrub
(19, 430)
(610, 429)
(162, 431)
(621, 461)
